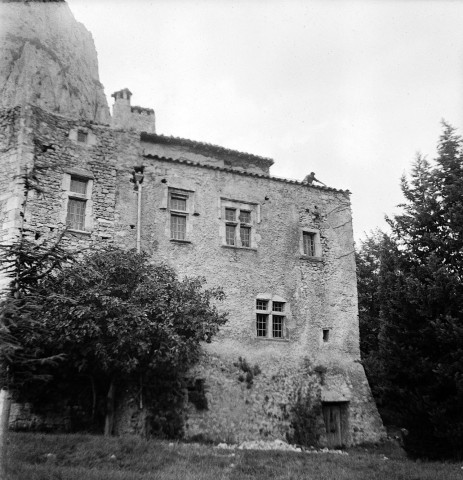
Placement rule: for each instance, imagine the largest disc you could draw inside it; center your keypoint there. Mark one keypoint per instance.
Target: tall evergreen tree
(368, 270)
(419, 374)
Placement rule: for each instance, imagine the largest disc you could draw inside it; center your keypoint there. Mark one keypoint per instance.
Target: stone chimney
(131, 118)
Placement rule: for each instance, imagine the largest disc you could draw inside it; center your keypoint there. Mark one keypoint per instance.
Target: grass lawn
(87, 457)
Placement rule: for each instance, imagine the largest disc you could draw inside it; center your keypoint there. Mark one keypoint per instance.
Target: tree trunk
(109, 421)
(92, 382)
(5, 403)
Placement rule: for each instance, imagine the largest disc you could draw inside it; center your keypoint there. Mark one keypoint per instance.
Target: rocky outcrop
(49, 59)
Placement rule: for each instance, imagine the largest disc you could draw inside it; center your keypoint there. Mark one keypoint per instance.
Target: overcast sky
(351, 90)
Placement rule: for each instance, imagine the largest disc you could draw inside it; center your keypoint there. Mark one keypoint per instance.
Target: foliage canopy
(118, 320)
(411, 306)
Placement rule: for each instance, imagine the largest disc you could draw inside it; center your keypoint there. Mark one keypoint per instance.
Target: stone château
(281, 249)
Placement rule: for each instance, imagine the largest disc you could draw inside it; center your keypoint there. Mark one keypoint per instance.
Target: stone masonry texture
(319, 292)
(293, 315)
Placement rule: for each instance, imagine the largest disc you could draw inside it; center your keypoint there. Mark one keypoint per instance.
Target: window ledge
(80, 232)
(78, 196)
(279, 340)
(311, 259)
(175, 240)
(234, 247)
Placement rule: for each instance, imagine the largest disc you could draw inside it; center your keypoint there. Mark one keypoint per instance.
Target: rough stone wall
(47, 58)
(320, 293)
(22, 417)
(48, 143)
(320, 290)
(133, 118)
(9, 169)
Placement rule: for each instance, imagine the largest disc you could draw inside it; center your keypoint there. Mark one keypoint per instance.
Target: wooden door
(333, 424)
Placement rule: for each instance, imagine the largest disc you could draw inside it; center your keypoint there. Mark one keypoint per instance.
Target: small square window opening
(326, 335)
(78, 185)
(245, 217)
(278, 306)
(82, 136)
(261, 304)
(178, 203)
(230, 215)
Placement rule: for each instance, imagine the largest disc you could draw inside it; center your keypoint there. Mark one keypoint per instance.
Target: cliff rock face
(49, 59)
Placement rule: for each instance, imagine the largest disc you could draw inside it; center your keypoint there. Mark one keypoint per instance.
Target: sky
(351, 90)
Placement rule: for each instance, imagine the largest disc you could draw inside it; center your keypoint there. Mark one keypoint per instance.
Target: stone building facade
(281, 249)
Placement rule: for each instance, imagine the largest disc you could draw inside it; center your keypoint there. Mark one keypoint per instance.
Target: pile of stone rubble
(275, 445)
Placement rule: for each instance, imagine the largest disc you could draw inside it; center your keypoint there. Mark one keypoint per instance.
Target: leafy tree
(119, 319)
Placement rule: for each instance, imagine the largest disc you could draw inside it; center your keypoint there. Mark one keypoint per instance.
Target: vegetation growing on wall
(249, 372)
(306, 408)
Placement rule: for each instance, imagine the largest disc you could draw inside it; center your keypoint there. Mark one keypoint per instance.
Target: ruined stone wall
(50, 142)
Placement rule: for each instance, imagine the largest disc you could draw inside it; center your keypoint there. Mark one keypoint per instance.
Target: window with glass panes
(261, 304)
(178, 227)
(77, 203)
(278, 306)
(78, 185)
(230, 214)
(82, 136)
(245, 236)
(270, 318)
(230, 234)
(238, 227)
(277, 326)
(178, 203)
(261, 325)
(308, 239)
(76, 213)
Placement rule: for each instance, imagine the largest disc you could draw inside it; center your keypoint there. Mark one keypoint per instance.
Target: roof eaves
(155, 137)
(243, 172)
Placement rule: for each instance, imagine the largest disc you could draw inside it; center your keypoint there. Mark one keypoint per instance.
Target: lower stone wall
(365, 423)
(23, 417)
(234, 401)
(263, 408)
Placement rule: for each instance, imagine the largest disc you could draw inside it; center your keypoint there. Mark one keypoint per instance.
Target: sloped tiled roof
(203, 147)
(243, 172)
